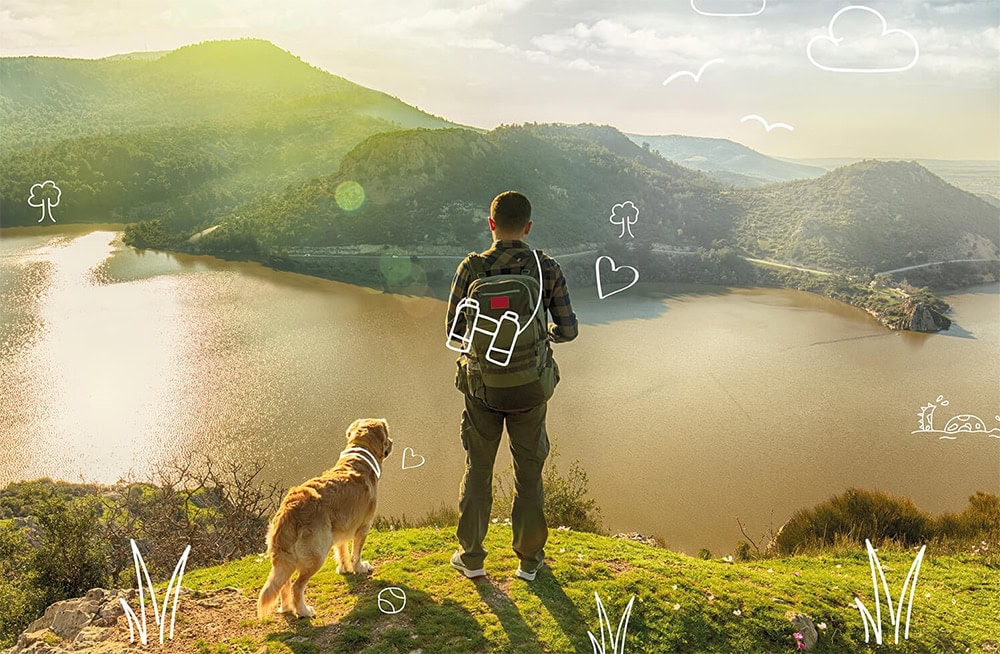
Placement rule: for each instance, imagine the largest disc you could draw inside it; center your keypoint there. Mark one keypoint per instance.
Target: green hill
(876, 214)
(727, 161)
(434, 187)
(682, 604)
(244, 135)
(188, 135)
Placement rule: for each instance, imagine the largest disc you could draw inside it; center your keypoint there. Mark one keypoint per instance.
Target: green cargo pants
(482, 428)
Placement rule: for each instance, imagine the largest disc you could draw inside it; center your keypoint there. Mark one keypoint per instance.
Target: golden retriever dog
(326, 511)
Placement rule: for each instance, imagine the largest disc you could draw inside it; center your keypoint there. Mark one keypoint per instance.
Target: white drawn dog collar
(366, 456)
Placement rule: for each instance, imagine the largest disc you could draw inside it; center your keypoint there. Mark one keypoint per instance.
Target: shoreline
(895, 305)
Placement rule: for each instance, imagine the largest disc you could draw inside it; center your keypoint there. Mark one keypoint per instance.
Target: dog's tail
(281, 572)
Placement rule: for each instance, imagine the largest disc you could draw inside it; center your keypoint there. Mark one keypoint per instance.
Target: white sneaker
(526, 575)
(456, 562)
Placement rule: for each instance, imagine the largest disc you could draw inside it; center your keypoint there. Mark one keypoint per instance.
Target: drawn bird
(695, 76)
(768, 126)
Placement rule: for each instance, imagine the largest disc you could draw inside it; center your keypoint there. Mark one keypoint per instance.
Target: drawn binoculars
(503, 331)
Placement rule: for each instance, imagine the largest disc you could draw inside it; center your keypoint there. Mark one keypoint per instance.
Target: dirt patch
(203, 619)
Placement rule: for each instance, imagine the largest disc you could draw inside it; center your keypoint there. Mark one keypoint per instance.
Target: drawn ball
(391, 600)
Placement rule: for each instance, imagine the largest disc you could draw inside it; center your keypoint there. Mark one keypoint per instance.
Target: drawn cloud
(873, 47)
(731, 8)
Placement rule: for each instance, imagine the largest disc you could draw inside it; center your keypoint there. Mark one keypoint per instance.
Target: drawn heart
(413, 455)
(597, 269)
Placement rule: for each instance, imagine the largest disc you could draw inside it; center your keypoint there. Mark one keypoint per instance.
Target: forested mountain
(727, 161)
(188, 135)
(244, 135)
(979, 177)
(877, 214)
(434, 187)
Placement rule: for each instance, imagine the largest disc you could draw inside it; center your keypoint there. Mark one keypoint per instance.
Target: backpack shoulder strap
(540, 273)
(476, 265)
(541, 261)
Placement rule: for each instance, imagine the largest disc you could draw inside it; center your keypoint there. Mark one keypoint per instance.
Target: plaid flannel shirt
(508, 257)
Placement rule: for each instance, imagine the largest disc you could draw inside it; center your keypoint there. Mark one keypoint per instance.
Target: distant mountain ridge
(875, 214)
(727, 161)
(981, 177)
(190, 134)
(433, 187)
(244, 135)
(214, 80)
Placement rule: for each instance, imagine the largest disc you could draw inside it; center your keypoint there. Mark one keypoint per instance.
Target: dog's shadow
(423, 621)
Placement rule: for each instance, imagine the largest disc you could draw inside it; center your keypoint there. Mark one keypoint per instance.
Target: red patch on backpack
(502, 302)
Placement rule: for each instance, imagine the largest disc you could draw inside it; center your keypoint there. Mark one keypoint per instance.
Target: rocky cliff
(96, 623)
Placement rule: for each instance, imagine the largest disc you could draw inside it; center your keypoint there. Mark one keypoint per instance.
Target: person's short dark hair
(511, 211)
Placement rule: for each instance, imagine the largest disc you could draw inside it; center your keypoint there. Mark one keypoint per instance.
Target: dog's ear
(353, 429)
(386, 441)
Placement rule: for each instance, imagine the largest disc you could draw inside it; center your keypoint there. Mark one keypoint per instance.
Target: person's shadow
(521, 636)
(440, 625)
(547, 589)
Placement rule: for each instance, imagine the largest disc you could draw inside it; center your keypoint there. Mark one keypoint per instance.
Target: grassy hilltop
(683, 604)
(58, 544)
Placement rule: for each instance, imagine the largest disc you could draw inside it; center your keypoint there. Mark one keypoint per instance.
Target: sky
(930, 86)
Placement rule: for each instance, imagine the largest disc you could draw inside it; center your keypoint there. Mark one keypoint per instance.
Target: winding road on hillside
(933, 263)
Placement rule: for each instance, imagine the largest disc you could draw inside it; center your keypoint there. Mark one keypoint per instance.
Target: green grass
(682, 604)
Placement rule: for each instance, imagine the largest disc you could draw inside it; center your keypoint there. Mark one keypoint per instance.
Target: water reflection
(686, 405)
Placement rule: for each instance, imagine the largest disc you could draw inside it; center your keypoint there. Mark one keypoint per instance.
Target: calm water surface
(687, 406)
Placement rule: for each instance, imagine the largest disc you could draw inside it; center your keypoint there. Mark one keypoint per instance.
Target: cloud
(729, 8)
(865, 48)
(486, 43)
(534, 56)
(609, 36)
(584, 65)
(463, 18)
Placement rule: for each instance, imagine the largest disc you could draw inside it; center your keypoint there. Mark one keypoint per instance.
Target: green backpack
(508, 363)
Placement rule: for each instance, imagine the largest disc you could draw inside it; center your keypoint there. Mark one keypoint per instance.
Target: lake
(688, 406)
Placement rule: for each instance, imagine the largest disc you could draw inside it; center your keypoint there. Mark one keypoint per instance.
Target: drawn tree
(45, 195)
